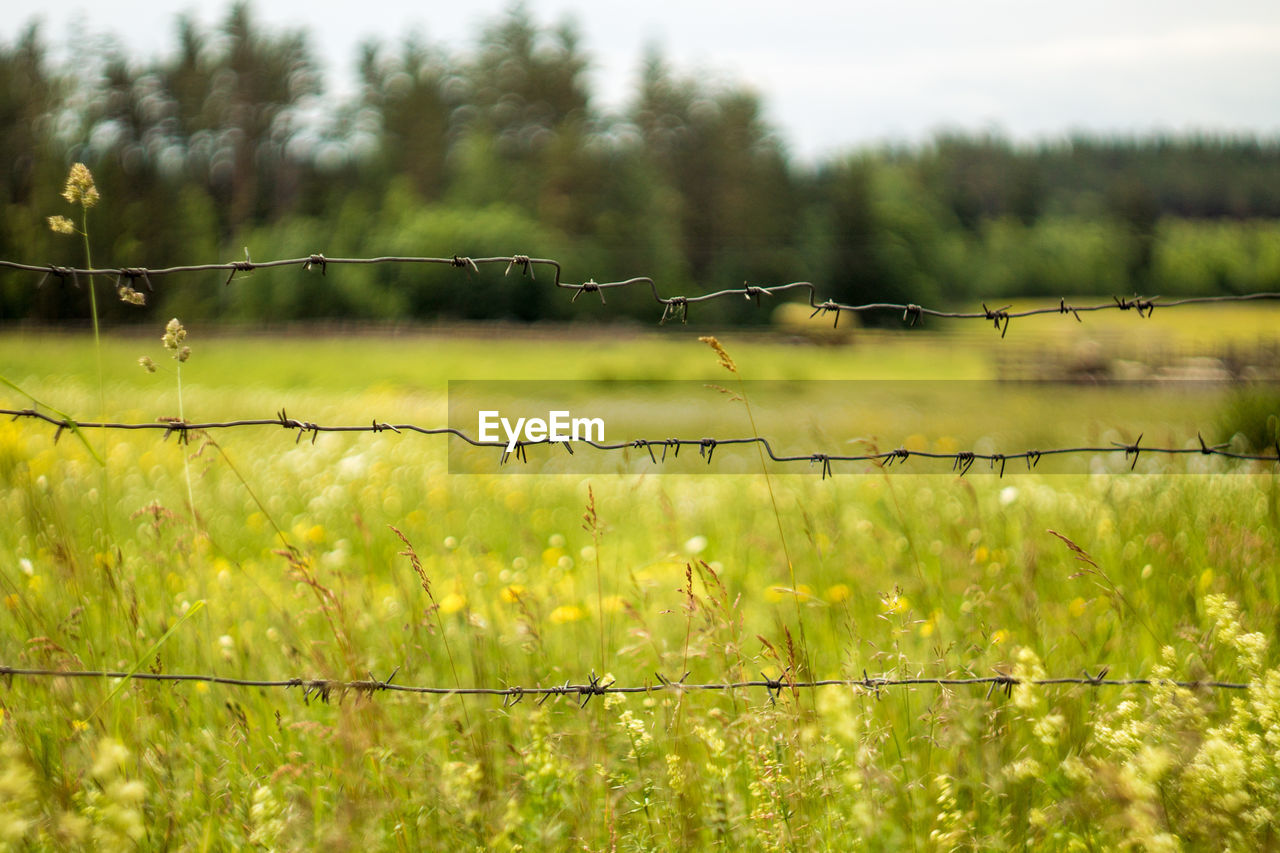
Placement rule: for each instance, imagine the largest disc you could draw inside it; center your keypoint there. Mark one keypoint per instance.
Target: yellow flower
(61, 225)
(80, 188)
(452, 603)
(999, 636)
(896, 603)
(566, 613)
(513, 593)
(1206, 580)
(838, 593)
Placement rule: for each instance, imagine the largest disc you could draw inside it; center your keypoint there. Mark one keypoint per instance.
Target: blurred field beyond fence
(1087, 362)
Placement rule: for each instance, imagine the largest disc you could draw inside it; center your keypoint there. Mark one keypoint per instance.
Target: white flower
(695, 546)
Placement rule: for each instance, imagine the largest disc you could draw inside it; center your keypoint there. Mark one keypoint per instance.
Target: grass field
(248, 554)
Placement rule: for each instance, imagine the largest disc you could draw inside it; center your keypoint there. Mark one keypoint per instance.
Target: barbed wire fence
(673, 307)
(961, 460)
(596, 685)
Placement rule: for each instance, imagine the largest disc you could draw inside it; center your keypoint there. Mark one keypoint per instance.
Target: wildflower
(61, 225)
(715, 743)
(1225, 614)
(566, 613)
(895, 602)
(637, 733)
(675, 774)
(838, 593)
(696, 545)
(1027, 671)
(512, 593)
(452, 603)
(80, 188)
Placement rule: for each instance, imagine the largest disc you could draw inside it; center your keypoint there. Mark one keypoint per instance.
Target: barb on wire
(672, 306)
(583, 692)
(961, 461)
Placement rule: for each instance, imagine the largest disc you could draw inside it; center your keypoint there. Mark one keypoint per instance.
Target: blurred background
(923, 154)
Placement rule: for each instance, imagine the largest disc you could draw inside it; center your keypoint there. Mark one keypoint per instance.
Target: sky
(833, 75)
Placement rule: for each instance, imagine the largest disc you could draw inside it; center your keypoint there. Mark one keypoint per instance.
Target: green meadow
(260, 554)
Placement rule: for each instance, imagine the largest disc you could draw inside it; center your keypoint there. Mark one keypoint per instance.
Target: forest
(227, 146)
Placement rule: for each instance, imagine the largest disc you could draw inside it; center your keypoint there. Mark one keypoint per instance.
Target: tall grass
(509, 584)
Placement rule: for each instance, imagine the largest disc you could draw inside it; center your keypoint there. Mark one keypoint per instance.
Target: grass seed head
(725, 361)
(80, 188)
(61, 225)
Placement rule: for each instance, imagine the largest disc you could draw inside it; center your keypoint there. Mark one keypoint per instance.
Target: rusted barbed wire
(672, 306)
(595, 685)
(961, 461)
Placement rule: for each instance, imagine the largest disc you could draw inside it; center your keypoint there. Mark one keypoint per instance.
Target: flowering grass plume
(174, 336)
(725, 361)
(81, 190)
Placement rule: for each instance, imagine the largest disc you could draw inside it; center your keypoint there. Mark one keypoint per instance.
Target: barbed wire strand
(961, 461)
(672, 306)
(597, 686)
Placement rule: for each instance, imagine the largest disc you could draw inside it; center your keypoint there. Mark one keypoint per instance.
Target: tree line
(227, 145)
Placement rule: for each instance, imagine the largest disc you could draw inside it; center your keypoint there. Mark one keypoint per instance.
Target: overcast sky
(835, 75)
